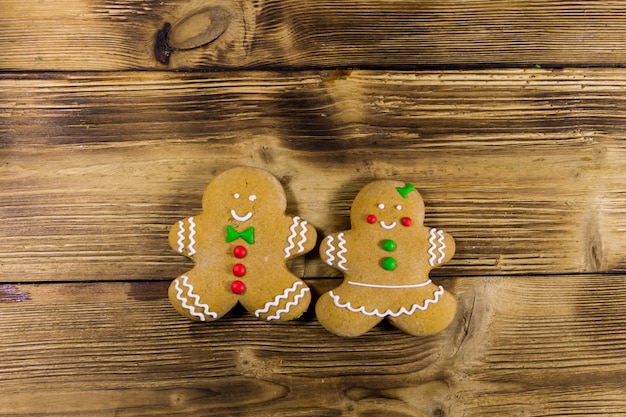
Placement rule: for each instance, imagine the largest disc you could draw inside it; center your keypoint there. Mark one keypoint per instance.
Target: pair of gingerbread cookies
(242, 240)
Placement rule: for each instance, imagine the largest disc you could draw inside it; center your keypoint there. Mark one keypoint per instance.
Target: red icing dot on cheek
(406, 221)
(371, 219)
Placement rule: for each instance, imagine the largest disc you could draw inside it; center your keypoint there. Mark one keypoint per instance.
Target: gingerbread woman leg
(430, 321)
(341, 321)
(200, 299)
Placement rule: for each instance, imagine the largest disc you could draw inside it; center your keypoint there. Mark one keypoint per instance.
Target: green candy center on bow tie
(232, 234)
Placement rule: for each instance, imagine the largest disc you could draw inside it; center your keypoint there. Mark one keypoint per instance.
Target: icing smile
(387, 226)
(243, 218)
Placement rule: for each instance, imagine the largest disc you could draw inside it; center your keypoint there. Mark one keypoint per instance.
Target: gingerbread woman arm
(333, 251)
(301, 239)
(183, 236)
(441, 247)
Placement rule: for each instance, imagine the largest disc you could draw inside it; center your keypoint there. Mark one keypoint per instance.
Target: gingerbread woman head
(240, 244)
(386, 258)
(398, 208)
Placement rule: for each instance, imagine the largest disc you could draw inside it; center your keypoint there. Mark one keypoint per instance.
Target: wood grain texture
(524, 168)
(518, 347)
(113, 35)
(113, 119)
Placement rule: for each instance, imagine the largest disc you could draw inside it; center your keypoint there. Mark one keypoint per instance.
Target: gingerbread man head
(385, 259)
(238, 193)
(240, 244)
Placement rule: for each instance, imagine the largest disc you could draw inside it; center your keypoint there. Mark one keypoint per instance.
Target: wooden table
(509, 116)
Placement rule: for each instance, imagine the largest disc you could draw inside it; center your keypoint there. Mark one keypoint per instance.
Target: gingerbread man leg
(342, 321)
(200, 299)
(290, 303)
(430, 321)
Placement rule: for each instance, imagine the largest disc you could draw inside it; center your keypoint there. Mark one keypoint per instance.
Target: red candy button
(239, 270)
(240, 252)
(371, 219)
(406, 221)
(238, 287)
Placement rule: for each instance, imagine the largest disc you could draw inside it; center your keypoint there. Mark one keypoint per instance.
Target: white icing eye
(381, 206)
(252, 197)
(236, 195)
(398, 207)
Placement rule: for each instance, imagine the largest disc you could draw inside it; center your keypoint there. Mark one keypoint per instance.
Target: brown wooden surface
(520, 346)
(492, 108)
(98, 166)
(102, 35)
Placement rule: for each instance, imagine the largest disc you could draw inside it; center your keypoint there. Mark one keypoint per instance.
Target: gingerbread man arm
(441, 247)
(333, 251)
(301, 238)
(183, 236)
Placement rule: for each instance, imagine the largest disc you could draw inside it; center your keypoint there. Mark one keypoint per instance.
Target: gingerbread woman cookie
(386, 258)
(240, 244)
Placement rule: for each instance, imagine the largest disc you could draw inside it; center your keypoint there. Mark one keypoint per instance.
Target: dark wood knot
(193, 31)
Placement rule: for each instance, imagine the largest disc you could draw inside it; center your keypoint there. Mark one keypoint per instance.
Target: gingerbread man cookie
(240, 244)
(386, 258)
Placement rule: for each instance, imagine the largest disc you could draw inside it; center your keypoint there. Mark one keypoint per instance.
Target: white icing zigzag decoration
(433, 245)
(441, 247)
(292, 236)
(292, 229)
(196, 303)
(290, 304)
(343, 250)
(330, 250)
(386, 313)
(283, 296)
(181, 236)
(303, 238)
(192, 241)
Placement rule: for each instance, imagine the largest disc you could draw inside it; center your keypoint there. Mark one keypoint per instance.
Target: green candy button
(389, 264)
(389, 245)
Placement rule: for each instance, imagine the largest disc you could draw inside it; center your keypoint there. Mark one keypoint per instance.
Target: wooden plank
(549, 345)
(518, 347)
(524, 168)
(105, 35)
